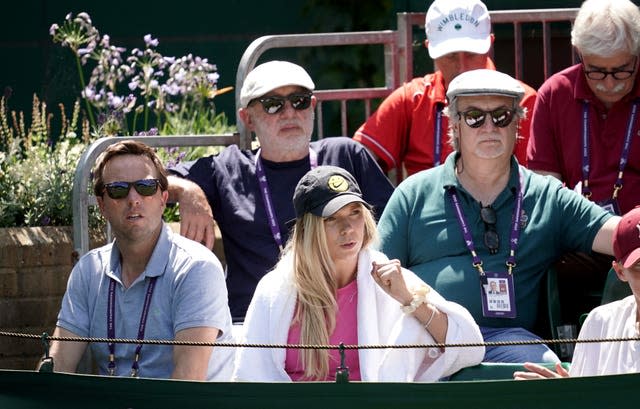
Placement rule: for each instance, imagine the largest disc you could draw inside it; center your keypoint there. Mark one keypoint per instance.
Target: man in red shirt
(408, 129)
(585, 122)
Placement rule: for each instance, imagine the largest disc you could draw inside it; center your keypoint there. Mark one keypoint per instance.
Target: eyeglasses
(274, 104)
(491, 238)
(619, 75)
(500, 117)
(120, 190)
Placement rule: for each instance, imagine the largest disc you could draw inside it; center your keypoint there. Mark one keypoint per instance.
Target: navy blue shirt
(230, 184)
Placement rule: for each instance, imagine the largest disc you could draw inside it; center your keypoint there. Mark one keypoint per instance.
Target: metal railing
(398, 55)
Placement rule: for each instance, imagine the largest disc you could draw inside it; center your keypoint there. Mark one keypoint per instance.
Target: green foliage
(38, 163)
(36, 176)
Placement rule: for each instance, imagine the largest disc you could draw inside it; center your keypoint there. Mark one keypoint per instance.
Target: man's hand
(196, 217)
(540, 372)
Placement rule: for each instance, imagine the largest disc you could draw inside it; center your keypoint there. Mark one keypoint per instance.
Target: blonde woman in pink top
(330, 287)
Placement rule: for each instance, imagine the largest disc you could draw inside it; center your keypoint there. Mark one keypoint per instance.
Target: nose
(287, 110)
(345, 227)
(488, 123)
(610, 82)
(133, 197)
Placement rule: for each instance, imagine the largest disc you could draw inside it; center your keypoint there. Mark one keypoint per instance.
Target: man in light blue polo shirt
(481, 218)
(147, 284)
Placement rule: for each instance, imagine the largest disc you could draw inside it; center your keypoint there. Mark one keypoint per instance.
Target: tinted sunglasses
(120, 190)
(500, 117)
(491, 238)
(274, 104)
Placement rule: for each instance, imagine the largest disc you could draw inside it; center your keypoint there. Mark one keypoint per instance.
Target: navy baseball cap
(325, 190)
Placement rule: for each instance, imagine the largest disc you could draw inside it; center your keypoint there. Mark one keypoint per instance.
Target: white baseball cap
(485, 82)
(458, 25)
(271, 75)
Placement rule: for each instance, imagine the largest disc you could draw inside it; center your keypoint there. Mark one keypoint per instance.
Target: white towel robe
(380, 322)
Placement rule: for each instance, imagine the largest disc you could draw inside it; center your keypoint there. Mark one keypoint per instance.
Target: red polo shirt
(401, 131)
(556, 137)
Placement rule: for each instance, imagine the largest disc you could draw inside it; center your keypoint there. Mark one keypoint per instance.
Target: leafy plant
(144, 93)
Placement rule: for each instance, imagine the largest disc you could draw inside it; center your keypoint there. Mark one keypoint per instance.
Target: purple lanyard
(111, 325)
(266, 194)
(586, 191)
(437, 133)
(468, 238)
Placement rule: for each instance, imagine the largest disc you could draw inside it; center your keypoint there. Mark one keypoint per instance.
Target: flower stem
(86, 101)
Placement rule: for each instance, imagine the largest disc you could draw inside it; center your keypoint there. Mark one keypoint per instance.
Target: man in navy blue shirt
(249, 192)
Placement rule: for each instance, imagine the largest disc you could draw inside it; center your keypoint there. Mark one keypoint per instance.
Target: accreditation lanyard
(586, 190)
(266, 195)
(111, 325)
(437, 134)
(468, 238)
(496, 288)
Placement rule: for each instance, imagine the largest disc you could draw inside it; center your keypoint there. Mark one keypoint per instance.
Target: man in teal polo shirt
(482, 218)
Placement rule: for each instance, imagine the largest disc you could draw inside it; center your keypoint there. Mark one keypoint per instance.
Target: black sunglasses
(500, 117)
(274, 104)
(491, 238)
(120, 190)
(619, 75)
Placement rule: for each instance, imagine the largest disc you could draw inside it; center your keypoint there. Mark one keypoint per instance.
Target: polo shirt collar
(157, 263)
(450, 180)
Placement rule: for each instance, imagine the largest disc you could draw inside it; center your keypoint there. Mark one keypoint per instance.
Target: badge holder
(498, 296)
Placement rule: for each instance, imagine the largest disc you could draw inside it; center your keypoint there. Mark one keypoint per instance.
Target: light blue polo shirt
(189, 292)
(420, 228)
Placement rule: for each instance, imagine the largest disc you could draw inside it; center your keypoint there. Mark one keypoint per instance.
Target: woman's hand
(389, 277)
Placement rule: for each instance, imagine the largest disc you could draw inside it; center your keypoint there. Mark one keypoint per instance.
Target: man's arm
(603, 242)
(192, 362)
(196, 217)
(66, 355)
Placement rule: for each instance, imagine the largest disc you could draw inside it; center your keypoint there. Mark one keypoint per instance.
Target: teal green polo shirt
(420, 228)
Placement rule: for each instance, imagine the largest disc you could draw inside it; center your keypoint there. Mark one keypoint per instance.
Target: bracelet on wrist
(433, 314)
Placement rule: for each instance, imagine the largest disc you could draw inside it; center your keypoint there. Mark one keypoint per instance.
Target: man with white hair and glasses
(584, 131)
(586, 117)
(482, 217)
(250, 191)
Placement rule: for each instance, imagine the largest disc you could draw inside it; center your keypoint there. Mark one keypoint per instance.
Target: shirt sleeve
(541, 149)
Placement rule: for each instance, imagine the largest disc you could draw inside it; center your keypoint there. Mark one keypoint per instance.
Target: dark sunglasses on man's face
(500, 117)
(274, 104)
(120, 190)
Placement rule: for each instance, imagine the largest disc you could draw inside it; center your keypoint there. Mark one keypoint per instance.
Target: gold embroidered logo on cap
(338, 184)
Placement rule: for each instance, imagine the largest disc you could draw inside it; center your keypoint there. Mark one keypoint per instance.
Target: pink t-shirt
(346, 331)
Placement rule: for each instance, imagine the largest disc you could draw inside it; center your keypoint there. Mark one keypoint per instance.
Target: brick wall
(34, 267)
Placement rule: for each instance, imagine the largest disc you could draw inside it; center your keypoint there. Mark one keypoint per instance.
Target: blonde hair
(316, 287)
